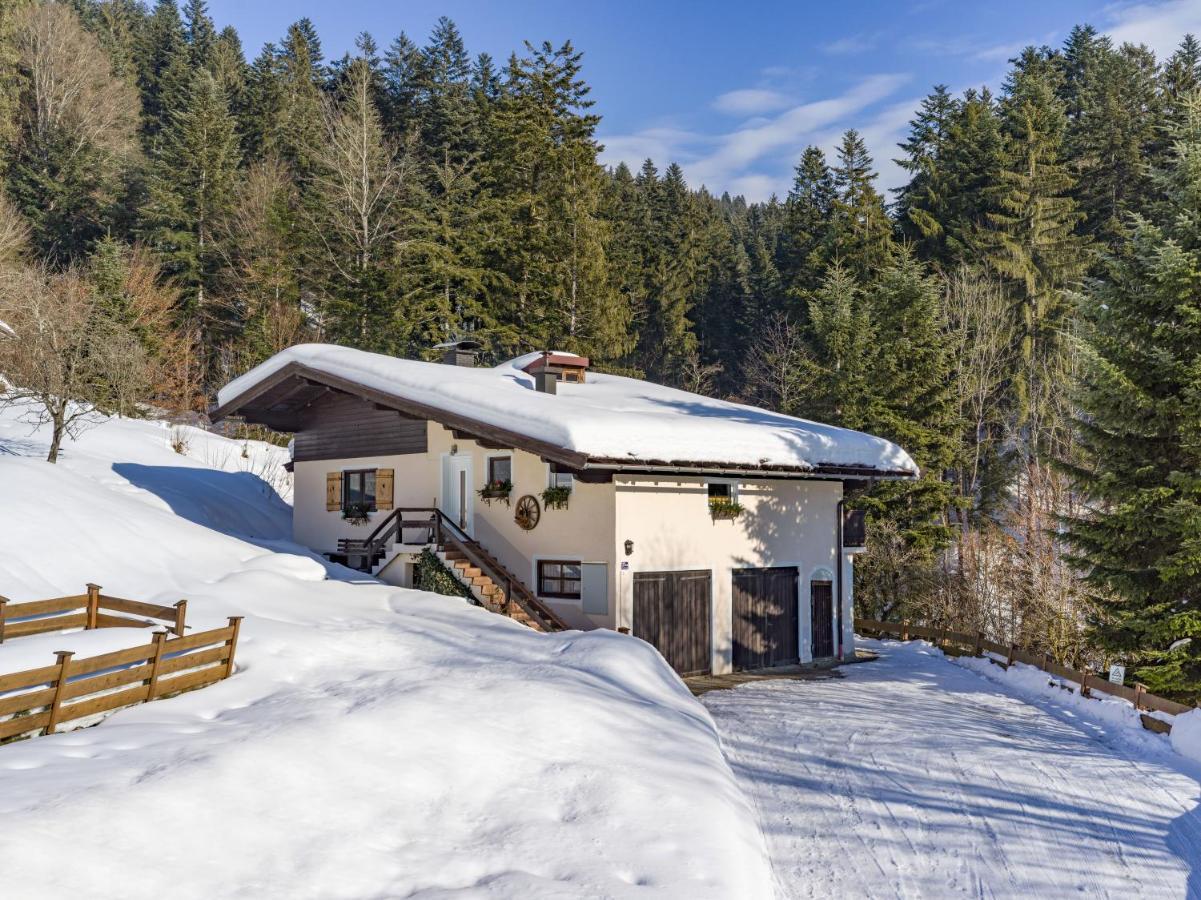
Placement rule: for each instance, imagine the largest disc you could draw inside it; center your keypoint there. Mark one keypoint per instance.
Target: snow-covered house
(571, 498)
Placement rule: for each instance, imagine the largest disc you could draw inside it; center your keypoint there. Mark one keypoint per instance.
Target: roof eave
(825, 471)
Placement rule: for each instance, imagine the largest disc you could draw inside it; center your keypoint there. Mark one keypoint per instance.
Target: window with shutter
(383, 488)
(333, 491)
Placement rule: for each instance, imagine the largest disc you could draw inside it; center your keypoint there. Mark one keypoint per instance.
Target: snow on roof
(610, 417)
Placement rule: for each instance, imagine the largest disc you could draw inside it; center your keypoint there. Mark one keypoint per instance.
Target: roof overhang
(279, 402)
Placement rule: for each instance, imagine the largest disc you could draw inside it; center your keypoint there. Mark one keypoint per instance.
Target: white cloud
(1158, 25)
(750, 101)
(851, 44)
(756, 159)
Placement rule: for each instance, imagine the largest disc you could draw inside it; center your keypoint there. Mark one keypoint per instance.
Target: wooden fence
(1089, 682)
(73, 689)
(89, 610)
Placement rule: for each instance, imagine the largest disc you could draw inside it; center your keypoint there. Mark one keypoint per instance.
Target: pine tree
(806, 240)
(842, 337)
(190, 191)
(1141, 469)
(921, 202)
(1032, 243)
(162, 43)
(862, 231)
(1110, 135)
(542, 173)
(913, 403)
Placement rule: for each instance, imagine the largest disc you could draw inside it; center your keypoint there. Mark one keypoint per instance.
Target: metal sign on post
(1117, 674)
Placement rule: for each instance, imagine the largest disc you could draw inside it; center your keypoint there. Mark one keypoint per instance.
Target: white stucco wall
(785, 523)
(584, 531)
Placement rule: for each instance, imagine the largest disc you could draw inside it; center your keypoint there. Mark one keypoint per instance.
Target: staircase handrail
(514, 590)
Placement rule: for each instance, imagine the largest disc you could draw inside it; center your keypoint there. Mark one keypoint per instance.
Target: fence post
(235, 622)
(979, 643)
(159, 638)
(1013, 649)
(1139, 690)
(904, 629)
(181, 611)
(3, 602)
(93, 604)
(1046, 660)
(1084, 682)
(64, 664)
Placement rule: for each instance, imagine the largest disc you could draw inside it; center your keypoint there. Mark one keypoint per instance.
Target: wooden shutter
(383, 488)
(333, 491)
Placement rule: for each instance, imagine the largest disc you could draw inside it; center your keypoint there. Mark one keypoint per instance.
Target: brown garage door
(672, 613)
(765, 617)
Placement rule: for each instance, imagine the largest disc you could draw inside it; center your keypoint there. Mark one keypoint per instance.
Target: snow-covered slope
(375, 742)
(609, 417)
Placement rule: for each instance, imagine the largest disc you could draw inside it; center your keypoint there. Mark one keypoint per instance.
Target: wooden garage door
(765, 617)
(672, 613)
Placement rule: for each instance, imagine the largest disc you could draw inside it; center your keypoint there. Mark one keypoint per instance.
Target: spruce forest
(1023, 315)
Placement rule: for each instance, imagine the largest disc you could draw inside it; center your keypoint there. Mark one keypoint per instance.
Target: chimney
(550, 368)
(546, 382)
(460, 353)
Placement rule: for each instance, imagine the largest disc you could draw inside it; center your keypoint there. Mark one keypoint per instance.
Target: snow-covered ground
(917, 777)
(375, 742)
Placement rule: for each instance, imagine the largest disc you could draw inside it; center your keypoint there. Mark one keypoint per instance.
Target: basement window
(358, 489)
(559, 578)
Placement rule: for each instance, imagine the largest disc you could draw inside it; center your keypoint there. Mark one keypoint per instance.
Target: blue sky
(735, 91)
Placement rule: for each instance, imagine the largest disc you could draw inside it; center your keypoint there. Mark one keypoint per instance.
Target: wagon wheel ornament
(528, 512)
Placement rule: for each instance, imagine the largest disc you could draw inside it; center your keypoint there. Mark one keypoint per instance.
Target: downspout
(838, 573)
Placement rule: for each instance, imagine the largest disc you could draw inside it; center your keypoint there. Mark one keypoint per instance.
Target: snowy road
(913, 777)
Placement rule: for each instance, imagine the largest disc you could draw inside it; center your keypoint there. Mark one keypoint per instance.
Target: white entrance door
(457, 490)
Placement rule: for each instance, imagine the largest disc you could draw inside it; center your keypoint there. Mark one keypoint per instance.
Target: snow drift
(374, 742)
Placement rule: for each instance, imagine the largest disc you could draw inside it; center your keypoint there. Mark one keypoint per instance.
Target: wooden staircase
(487, 592)
(491, 584)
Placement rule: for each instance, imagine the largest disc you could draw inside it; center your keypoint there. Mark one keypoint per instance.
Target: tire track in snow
(913, 777)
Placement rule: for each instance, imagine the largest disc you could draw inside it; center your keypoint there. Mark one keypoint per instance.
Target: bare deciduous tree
(74, 95)
(68, 363)
(359, 182)
(779, 368)
(14, 233)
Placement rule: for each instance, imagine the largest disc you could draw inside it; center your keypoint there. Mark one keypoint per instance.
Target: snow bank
(1186, 734)
(375, 742)
(609, 417)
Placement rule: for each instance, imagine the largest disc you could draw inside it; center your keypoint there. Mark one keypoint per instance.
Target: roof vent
(460, 353)
(551, 368)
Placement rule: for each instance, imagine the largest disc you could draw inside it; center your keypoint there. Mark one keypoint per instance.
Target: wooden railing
(439, 529)
(1088, 681)
(448, 534)
(85, 611)
(39, 700)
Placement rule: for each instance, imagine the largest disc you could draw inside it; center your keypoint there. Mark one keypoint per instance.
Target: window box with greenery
(722, 502)
(500, 480)
(357, 513)
(496, 490)
(558, 490)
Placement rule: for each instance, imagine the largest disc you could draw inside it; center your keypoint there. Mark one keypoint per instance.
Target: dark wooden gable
(340, 426)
